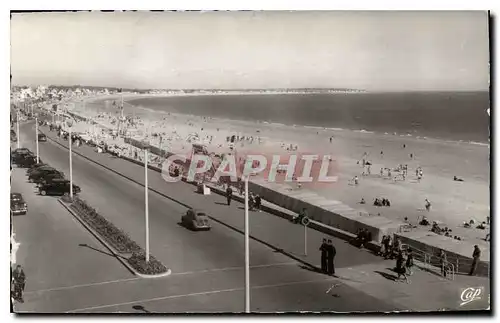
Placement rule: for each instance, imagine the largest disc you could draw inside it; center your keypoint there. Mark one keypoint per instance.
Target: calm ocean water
(445, 115)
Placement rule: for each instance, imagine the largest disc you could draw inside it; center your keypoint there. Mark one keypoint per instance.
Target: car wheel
(43, 192)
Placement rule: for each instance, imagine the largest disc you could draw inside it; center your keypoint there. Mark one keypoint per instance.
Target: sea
(457, 116)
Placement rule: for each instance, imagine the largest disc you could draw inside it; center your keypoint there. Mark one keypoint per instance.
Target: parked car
(17, 204)
(21, 151)
(13, 136)
(49, 178)
(26, 161)
(19, 159)
(195, 220)
(36, 167)
(42, 137)
(38, 174)
(57, 187)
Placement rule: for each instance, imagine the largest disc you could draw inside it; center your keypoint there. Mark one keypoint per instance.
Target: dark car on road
(17, 204)
(13, 136)
(57, 187)
(26, 161)
(49, 178)
(36, 166)
(21, 151)
(37, 175)
(42, 137)
(195, 220)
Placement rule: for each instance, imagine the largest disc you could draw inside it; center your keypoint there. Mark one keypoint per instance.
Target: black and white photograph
(244, 162)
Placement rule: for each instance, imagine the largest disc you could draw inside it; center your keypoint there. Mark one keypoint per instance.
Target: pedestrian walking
(400, 267)
(443, 263)
(19, 282)
(331, 258)
(229, 194)
(251, 202)
(258, 202)
(475, 260)
(409, 262)
(324, 251)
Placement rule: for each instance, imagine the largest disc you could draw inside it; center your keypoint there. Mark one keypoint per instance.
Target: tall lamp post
(247, 252)
(36, 137)
(146, 200)
(69, 123)
(17, 130)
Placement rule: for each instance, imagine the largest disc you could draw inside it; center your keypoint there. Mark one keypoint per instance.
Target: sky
(373, 51)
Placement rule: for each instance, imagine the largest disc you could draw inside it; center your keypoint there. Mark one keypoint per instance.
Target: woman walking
(400, 267)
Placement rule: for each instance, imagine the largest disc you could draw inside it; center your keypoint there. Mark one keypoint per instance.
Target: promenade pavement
(208, 266)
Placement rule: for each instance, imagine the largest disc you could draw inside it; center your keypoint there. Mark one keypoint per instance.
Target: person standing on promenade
(475, 260)
(443, 262)
(324, 252)
(409, 262)
(258, 202)
(331, 258)
(400, 267)
(229, 194)
(19, 281)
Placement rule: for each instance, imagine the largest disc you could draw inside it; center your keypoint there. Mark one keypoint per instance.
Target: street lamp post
(17, 130)
(36, 136)
(69, 123)
(146, 201)
(247, 252)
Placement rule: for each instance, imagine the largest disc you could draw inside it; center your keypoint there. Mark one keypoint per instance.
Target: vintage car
(26, 161)
(49, 178)
(42, 137)
(39, 166)
(37, 175)
(57, 187)
(17, 204)
(195, 220)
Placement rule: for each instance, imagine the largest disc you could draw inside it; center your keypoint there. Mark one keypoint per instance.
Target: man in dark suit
(331, 257)
(229, 194)
(324, 251)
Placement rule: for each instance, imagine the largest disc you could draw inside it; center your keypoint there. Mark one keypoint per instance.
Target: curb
(111, 249)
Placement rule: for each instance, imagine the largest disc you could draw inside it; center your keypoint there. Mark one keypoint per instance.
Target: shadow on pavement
(387, 275)
(140, 308)
(100, 251)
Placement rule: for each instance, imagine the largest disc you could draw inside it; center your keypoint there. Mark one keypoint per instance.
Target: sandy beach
(453, 202)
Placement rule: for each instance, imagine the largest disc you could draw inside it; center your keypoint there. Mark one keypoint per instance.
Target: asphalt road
(207, 267)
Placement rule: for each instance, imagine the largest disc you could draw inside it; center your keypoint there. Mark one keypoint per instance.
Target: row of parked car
(49, 180)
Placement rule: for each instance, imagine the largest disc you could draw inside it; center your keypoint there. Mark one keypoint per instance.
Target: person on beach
(427, 205)
(331, 252)
(355, 180)
(381, 172)
(229, 194)
(324, 256)
(475, 260)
